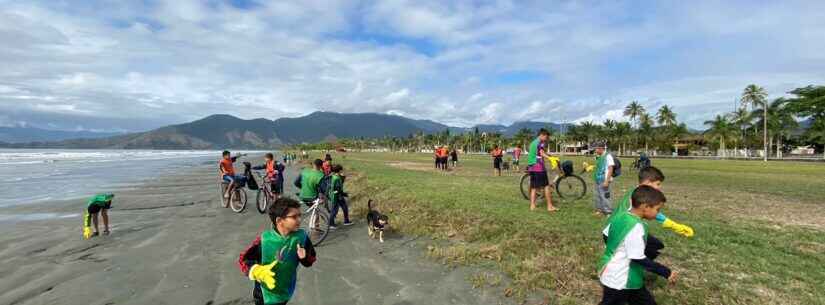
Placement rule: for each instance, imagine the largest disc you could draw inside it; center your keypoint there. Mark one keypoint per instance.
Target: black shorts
(96, 207)
(538, 180)
(278, 187)
(515, 162)
(640, 296)
(497, 162)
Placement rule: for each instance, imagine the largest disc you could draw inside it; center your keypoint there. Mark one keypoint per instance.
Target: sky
(138, 65)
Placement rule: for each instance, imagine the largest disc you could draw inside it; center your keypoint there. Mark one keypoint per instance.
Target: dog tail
(369, 204)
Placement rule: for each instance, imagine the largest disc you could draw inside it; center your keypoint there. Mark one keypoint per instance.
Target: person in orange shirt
(497, 154)
(227, 169)
(274, 173)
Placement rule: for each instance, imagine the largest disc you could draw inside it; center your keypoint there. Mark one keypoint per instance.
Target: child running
(622, 267)
(272, 258)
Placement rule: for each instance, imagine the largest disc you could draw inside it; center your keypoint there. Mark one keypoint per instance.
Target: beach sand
(171, 243)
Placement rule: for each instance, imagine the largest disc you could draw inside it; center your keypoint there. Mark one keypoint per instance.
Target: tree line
(757, 124)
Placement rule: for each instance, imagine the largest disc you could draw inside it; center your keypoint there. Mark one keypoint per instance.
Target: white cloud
(398, 95)
(136, 65)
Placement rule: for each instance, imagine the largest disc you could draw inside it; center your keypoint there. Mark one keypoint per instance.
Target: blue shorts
(238, 179)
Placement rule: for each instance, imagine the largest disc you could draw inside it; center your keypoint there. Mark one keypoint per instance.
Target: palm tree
(590, 130)
(741, 118)
(608, 131)
(780, 123)
(665, 116)
(756, 96)
(522, 137)
(719, 129)
(645, 129)
(634, 110)
(623, 132)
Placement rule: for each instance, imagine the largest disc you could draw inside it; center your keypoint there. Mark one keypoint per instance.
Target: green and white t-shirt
(617, 270)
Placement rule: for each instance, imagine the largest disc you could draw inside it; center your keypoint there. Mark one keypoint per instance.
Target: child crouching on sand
(100, 203)
(272, 258)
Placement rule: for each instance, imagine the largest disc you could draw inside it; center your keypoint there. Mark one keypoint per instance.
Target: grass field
(760, 228)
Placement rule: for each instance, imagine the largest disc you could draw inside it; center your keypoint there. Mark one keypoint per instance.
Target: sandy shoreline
(172, 244)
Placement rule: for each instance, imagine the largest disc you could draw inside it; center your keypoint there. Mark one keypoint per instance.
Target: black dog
(376, 222)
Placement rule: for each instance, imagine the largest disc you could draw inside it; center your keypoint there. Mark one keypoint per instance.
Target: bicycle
(567, 184)
(237, 199)
(265, 196)
(316, 220)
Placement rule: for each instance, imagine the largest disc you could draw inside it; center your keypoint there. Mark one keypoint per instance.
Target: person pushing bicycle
(538, 173)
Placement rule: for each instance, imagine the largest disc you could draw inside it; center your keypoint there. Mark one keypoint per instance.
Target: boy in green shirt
(621, 268)
(337, 196)
(100, 203)
(273, 257)
(308, 180)
(653, 177)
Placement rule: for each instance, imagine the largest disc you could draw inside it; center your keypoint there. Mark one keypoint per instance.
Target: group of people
(272, 259)
(500, 163)
(444, 157)
(630, 249)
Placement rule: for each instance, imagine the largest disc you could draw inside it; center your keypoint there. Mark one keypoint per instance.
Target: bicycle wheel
(316, 225)
(238, 200)
(221, 190)
(571, 187)
(262, 200)
(525, 188)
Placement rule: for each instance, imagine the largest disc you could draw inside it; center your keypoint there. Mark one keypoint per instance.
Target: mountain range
(225, 131)
(22, 134)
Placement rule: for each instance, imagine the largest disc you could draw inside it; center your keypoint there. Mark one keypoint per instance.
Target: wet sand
(171, 243)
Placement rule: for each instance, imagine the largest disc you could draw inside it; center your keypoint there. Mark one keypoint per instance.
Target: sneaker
(106, 232)
(333, 228)
(95, 234)
(348, 223)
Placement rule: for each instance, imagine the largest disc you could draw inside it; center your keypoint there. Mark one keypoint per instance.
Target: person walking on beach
(337, 196)
(100, 203)
(271, 261)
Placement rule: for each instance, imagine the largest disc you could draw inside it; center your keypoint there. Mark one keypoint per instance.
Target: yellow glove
(87, 232)
(263, 274)
(554, 162)
(587, 167)
(678, 228)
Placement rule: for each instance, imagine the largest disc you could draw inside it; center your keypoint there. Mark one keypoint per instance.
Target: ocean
(32, 176)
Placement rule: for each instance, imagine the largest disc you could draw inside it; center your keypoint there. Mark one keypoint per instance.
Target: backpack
(323, 185)
(617, 167)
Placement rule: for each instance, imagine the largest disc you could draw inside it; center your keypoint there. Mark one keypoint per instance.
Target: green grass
(759, 227)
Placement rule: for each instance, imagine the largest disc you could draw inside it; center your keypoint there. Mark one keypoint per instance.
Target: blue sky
(136, 65)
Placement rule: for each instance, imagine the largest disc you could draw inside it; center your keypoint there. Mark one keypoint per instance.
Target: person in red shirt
(227, 168)
(326, 167)
(516, 157)
(497, 154)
